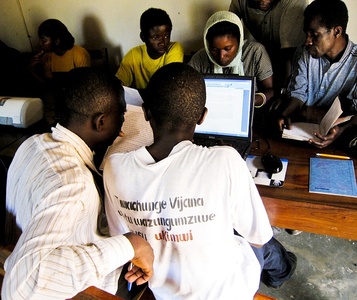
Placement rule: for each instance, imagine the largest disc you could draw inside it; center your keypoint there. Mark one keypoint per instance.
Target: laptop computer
(230, 103)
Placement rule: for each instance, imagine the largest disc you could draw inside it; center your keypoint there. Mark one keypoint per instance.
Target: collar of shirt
(63, 134)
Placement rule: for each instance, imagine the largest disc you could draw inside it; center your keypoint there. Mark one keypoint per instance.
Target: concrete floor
(326, 268)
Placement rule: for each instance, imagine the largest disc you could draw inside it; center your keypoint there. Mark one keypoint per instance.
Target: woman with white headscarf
(226, 51)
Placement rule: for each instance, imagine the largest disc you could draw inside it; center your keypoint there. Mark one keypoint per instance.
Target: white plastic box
(20, 112)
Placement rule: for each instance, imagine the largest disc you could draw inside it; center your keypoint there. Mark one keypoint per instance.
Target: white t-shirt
(186, 206)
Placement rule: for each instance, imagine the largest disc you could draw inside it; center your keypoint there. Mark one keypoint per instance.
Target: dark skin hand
(293, 106)
(323, 141)
(36, 67)
(313, 114)
(143, 260)
(301, 113)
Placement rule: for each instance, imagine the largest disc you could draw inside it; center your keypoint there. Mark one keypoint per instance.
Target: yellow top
(137, 66)
(73, 58)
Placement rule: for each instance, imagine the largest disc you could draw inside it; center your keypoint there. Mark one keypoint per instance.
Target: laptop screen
(230, 105)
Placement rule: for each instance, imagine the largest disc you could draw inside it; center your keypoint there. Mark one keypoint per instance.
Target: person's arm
(143, 260)
(266, 88)
(36, 68)
(293, 106)
(125, 72)
(349, 108)
(257, 63)
(297, 89)
(50, 259)
(323, 141)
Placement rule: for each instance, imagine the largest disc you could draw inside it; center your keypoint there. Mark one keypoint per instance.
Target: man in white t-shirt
(186, 199)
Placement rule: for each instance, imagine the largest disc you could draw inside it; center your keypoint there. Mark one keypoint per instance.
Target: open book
(304, 131)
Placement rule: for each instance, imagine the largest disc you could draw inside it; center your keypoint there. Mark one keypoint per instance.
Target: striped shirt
(317, 82)
(50, 190)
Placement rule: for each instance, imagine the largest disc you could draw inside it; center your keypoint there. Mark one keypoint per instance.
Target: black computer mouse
(271, 163)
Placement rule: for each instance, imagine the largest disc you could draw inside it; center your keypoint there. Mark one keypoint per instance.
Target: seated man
(52, 193)
(278, 25)
(186, 199)
(141, 62)
(226, 52)
(326, 67)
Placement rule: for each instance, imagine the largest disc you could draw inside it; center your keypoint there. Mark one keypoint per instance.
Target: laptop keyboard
(240, 147)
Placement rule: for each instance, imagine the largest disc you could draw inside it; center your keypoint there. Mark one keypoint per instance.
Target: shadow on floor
(326, 268)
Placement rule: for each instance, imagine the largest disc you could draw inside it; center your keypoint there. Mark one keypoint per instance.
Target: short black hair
(88, 92)
(154, 17)
(329, 13)
(55, 29)
(222, 29)
(176, 96)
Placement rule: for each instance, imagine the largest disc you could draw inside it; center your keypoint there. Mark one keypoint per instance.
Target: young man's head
(94, 106)
(325, 23)
(175, 97)
(54, 36)
(155, 27)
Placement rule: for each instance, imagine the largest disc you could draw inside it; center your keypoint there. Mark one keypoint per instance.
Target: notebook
(332, 176)
(230, 103)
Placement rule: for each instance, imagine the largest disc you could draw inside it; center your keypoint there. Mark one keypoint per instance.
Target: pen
(130, 283)
(332, 156)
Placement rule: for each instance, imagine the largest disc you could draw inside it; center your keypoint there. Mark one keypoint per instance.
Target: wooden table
(292, 206)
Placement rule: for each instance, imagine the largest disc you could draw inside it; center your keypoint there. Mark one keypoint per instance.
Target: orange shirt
(73, 58)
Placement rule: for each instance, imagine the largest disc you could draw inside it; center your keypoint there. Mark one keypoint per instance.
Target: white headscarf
(221, 16)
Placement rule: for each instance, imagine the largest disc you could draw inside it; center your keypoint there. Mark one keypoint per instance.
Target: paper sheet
(137, 131)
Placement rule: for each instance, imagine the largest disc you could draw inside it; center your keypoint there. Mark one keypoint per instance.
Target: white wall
(114, 23)
(98, 23)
